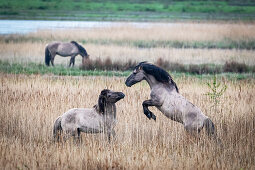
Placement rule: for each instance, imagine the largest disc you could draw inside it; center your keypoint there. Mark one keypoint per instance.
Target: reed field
(34, 95)
(186, 43)
(30, 104)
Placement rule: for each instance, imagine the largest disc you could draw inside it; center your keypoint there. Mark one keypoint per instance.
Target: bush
(170, 66)
(235, 67)
(108, 64)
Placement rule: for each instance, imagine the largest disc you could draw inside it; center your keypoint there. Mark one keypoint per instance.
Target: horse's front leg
(146, 110)
(110, 134)
(72, 61)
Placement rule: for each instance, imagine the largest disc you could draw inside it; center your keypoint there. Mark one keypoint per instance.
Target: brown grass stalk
(30, 104)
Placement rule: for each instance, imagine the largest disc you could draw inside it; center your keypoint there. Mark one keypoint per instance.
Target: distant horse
(165, 96)
(100, 118)
(64, 49)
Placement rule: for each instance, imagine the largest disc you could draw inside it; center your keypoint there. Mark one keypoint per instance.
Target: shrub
(170, 66)
(235, 67)
(107, 64)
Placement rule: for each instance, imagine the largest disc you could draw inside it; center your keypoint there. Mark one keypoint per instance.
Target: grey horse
(64, 49)
(99, 119)
(166, 97)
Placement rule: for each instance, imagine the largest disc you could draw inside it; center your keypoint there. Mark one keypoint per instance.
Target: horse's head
(83, 53)
(144, 70)
(137, 75)
(108, 96)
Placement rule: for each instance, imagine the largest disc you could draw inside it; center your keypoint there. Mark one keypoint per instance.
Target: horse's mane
(159, 74)
(79, 47)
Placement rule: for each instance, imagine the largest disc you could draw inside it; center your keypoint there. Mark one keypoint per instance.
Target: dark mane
(159, 74)
(81, 49)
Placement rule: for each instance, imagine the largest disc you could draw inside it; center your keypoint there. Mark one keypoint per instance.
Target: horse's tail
(57, 128)
(209, 126)
(47, 56)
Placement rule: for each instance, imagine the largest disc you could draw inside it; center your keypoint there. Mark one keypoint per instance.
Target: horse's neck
(110, 110)
(152, 81)
(154, 84)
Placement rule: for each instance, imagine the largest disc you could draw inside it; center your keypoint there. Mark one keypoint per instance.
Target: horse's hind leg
(111, 135)
(52, 60)
(76, 135)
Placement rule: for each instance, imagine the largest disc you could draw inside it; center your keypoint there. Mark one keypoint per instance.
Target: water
(27, 26)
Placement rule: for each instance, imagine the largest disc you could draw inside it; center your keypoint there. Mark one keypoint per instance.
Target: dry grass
(25, 52)
(30, 47)
(158, 31)
(30, 104)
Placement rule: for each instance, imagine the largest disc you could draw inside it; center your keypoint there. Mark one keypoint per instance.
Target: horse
(165, 97)
(99, 119)
(64, 49)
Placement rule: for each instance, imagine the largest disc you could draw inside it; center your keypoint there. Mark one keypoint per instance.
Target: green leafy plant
(216, 91)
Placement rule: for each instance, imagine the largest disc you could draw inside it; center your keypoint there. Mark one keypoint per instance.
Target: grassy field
(33, 96)
(127, 10)
(139, 44)
(30, 104)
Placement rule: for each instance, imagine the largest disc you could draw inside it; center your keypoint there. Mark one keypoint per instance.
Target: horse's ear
(101, 103)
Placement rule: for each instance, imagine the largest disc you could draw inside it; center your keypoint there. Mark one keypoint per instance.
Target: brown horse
(64, 49)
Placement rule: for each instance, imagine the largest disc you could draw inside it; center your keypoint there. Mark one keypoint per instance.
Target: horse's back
(53, 47)
(178, 108)
(53, 44)
(82, 118)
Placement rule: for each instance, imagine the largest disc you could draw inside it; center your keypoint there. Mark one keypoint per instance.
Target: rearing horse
(166, 97)
(64, 49)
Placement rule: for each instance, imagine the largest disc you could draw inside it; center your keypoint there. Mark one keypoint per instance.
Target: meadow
(135, 10)
(30, 104)
(186, 43)
(33, 96)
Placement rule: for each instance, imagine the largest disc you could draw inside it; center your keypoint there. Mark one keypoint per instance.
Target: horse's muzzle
(120, 95)
(129, 81)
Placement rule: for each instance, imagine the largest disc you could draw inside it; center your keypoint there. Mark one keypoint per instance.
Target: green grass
(32, 68)
(130, 10)
(59, 70)
(224, 44)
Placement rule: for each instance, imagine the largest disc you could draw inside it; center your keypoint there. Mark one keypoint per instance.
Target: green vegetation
(248, 44)
(127, 10)
(225, 44)
(32, 68)
(216, 92)
(233, 67)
